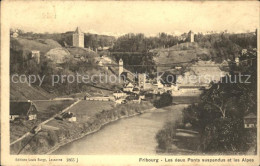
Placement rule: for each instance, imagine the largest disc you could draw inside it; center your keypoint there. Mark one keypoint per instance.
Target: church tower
(78, 38)
(121, 67)
(191, 37)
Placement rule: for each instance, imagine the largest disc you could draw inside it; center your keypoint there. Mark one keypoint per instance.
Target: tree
(224, 135)
(216, 98)
(165, 100)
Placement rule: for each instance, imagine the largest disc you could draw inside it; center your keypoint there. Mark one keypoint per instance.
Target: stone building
(191, 37)
(142, 80)
(78, 38)
(121, 67)
(125, 74)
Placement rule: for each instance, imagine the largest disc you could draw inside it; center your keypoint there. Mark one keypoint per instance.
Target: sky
(116, 18)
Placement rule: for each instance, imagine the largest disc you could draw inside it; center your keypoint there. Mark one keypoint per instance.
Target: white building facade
(78, 38)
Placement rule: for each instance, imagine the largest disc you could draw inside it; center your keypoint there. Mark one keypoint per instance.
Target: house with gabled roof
(119, 94)
(128, 87)
(22, 110)
(250, 121)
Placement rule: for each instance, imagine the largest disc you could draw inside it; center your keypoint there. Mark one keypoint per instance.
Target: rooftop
(20, 108)
(250, 115)
(78, 31)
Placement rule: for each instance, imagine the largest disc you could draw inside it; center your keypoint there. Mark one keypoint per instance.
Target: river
(129, 136)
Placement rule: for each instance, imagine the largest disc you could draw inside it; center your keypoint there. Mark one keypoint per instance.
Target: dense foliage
(219, 117)
(164, 100)
(140, 43)
(225, 46)
(65, 39)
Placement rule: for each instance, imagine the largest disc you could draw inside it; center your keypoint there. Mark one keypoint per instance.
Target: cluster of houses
(247, 57)
(103, 61)
(135, 93)
(142, 84)
(129, 93)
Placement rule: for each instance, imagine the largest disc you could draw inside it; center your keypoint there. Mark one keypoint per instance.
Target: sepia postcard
(130, 83)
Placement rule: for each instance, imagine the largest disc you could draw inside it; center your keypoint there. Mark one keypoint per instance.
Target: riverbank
(128, 136)
(176, 139)
(98, 129)
(47, 141)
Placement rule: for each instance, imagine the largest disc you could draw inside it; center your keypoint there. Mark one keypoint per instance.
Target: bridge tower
(121, 67)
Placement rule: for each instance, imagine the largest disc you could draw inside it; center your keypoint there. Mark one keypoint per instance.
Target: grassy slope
(22, 91)
(179, 53)
(86, 109)
(82, 51)
(19, 91)
(46, 109)
(43, 45)
(93, 69)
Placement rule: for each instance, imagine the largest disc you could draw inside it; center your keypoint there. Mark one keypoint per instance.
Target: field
(85, 109)
(91, 91)
(46, 109)
(22, 91)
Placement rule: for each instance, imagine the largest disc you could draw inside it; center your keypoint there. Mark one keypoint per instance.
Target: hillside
(22, 91)
(49, 48)
(67, 61)
(202, 73)
(43, 45)
(81, 51)
(183, 52)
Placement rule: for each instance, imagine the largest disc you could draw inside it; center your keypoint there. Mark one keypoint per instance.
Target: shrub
(165, 100)
(164, 137)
